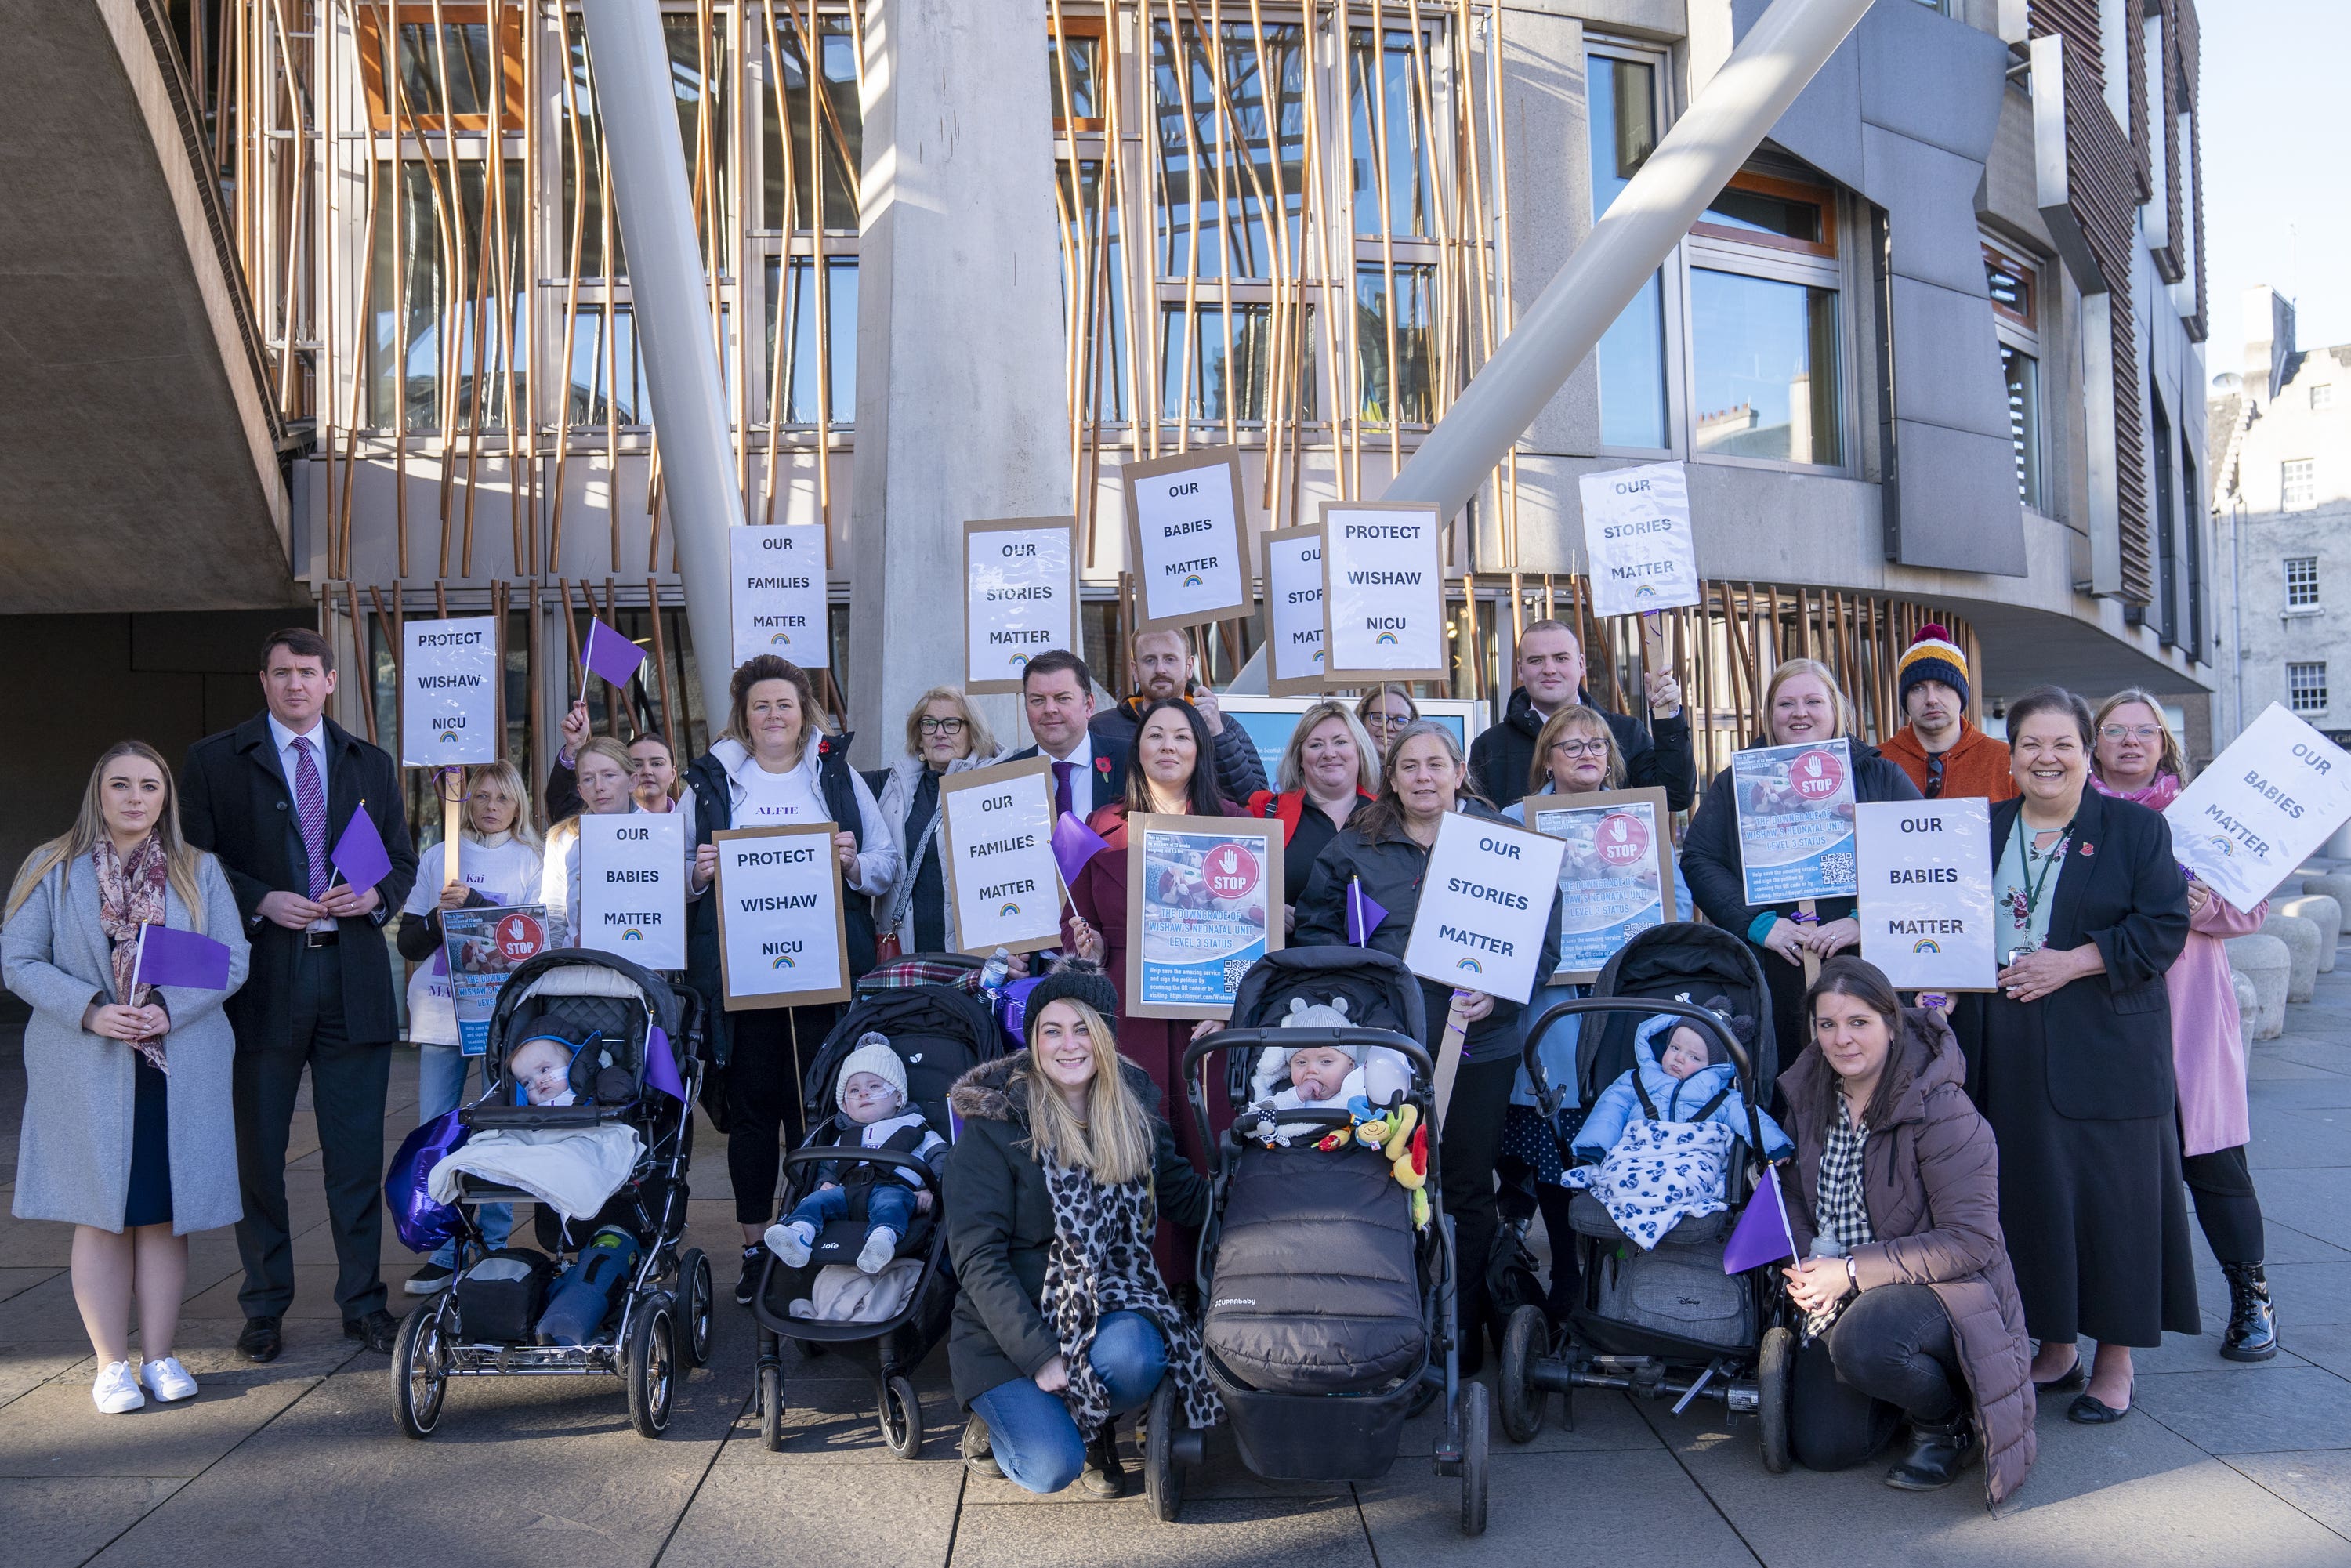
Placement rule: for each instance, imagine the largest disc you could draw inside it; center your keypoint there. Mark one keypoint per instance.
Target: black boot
(1104, 1476)
(2252, 1334)
(1940, 1450)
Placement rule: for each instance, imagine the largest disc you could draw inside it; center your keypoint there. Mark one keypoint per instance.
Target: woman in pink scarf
(2138, 759)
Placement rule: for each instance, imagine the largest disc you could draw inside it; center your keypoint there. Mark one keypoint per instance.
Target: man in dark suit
(1057, 697)
(271, 798)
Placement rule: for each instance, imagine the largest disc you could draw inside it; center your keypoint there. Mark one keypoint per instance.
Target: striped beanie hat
(1932, 656)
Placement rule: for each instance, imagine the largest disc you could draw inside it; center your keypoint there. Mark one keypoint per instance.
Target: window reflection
(1408, 377)
(1632, 354)
(839, 114)
(1218, 187)
(1232, 377)
(796, 314)
(412, 317)
(1764, 354)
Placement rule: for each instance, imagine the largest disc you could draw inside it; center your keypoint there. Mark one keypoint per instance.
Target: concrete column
(962, 411)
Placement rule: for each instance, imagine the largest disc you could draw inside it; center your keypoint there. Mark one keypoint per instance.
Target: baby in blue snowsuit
(1673, 1064)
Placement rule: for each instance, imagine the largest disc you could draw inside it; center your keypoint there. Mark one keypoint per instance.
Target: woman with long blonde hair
(130, 1131)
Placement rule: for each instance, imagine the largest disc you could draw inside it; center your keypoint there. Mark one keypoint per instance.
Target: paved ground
(298, 1462)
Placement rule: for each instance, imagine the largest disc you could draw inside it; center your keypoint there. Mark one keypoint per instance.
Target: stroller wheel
(1475, 1440)
(420, 1381)
(771, 1408)
(902, 1419)
(1774, 1369)
(694, 1296)
(651, 1365)
(1523, 1402)
(1163, 1472)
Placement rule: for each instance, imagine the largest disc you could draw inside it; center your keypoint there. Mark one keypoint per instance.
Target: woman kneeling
(1911, 1311)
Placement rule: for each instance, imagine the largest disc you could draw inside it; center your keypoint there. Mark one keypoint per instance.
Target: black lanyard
(2034, 889)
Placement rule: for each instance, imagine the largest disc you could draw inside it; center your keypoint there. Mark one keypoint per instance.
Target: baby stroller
(485, 1323)
(939, 1032)
(1666, 1323)
(1330, 1316)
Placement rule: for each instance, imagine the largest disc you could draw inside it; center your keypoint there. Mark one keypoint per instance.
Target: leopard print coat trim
(1101, 1263)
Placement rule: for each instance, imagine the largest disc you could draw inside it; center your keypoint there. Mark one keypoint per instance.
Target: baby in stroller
(541, 1070)
(1674, 1080)
(871, 1094)
(1320, 1073)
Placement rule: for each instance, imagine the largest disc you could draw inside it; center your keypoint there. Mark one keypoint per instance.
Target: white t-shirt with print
(506, 873)
(775, 799)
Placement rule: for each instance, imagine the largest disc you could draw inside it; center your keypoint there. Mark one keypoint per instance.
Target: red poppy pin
(2088, 849)
(1102, 765)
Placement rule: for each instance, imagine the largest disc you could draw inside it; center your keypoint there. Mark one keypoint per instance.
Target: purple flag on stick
(610, 655)
(660, 1065)
(1074, 844)
(1763, 1235)
(360, 853)
(1364, 914)
(169, 957)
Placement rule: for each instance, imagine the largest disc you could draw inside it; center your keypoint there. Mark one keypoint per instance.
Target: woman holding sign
(604, 791)
(130, 1134)
(2069, 1060)
(2138, 759)
(944, 735)
(1328, 770)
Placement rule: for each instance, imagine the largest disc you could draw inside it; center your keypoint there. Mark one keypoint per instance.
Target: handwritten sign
(1485, 907)
(480, 947)
(1202, 904)
(1186, 525)
(1616, 875)
(632, 887)
(1020, 597)
(1293, 612)
(449, 693)
(783, 939)
(1003, 882)
(1795, 821)
(779, 597)
(1637, 528)
(1383, 593)
(2263, 807)
(1926, 892)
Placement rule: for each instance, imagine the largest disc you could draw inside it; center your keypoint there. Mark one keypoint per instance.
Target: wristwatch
(1852, 1274)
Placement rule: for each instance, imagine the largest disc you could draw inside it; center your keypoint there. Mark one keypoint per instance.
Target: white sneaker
(881, 1246)
(115, 1392)
(167, 1380)
(791, 1242)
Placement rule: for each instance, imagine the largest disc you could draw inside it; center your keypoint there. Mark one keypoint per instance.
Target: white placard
(1020, 598)
(632, 887)
(1185, 516)
(1926, 900)
(1637, 528)
(778, 596)
(1384, 590)
(2263, 807)
(1293, 602)
(449, 693)
(999, 838)
(780, 930)
(1485, 907)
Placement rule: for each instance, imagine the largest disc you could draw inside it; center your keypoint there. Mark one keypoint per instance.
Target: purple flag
(169, 957)
(660, 1065)
(1763, 1235)
(1074, 844)
(610, 655)
(1364, 915)
(360, 853)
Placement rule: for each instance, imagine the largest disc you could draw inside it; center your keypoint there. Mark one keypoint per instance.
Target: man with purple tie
(272, 798)
(1057, 698)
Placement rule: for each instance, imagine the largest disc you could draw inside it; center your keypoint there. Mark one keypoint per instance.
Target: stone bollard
(2336, 886)
(2265, 961)
(2324, 912)
(2301, 938)
(2249, 1005)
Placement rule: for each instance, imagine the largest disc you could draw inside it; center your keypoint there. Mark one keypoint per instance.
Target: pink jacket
(2208, 1048)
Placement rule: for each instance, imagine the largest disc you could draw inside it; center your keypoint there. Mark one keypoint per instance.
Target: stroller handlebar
(1711, 1023)
(1226, 1040)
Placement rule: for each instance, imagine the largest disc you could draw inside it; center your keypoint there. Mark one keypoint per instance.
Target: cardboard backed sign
(632, 887)
(1293, 612)
(1926, 900)
(1383, 593)
(996, 840)
(1187, 531)
(1020, 596)
(2262, 807)
(783, 936)
(1795, 821)
(1485, 907)
(1637, 530)
(778, 600)
(1615, 877)
(480, 949)
(1202, 904)
(449, 692)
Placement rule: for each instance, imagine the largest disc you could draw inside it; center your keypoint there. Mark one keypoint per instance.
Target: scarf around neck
(129, 896)
(2155, 794)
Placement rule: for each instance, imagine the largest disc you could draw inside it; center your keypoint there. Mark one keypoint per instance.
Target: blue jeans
(892, 1204)
(441, 1074)
(1034, 1436)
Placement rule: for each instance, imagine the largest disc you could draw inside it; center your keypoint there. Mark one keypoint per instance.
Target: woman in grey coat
(130, 1134)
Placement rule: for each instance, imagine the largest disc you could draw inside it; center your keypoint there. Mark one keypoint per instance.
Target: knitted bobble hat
(873, 1055)
(1074, 980)
(1932, 656)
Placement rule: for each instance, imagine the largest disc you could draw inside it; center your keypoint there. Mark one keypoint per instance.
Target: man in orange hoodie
(1946, 756)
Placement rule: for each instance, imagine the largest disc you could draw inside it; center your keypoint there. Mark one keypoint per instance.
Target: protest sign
(1020, 597)
(633, 888)
(783, 937)
(1637, 531)
(1383, 593)
(1202, 904)
(777, 604)
(1186, 529)
(2262, 807)
(1925, 897)
(449, 693)
(1615, 876)
(1795, 821)
(1485, 907)
(996, 843)
(1293, 612)
(480, 949)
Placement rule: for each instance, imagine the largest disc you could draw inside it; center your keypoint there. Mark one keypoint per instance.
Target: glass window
(1397, 375)
(2302, 582)
(1379, 95)
(2022, 374)
(1764, 355)
(1218, 185)
(1780, 214)
(1632, 354)
(2305, 687)
(2298, 483)
(425, 52)
(787, 182)
(583, 154)
(1224, 374)
(410, 304)
(1073, 66)
(1090, 227)
(2323, 395)
(608, 377)
(796, 312)
(2010, 283)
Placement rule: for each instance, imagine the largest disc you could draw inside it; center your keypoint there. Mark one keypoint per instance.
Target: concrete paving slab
(2199, 1352)
(1625, 1509)
(42, 1314)
(2288, 1408)
(2323, 1344)
(1603, 1420)
(13, 1280)
(23, 1368)
(2300, 1136)
(835, 1516)
(314, 1289)
(61, 1523)
(2316, 1202)
(54, 1430)
(2318, 1483)
(1210, 1533)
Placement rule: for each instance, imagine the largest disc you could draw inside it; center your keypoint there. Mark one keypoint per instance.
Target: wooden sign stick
(452, 809)
(1448, 1055)
(1805, 907)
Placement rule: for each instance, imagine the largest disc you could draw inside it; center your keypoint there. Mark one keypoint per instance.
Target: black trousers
(2226, 1204)
(1466, 1155)
(348, 1079)
(773, 1047)
(1889, 1355)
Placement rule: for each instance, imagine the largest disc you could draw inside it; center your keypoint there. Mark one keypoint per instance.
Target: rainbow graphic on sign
(1471, 965)
(449, 737)
(1191, 579)
(1007, 912)
(632, 934)
(1019, 660)
(1385, 639)
(783, 637)
(1925, 944)
(783, 961)
(1318, 655)
(1644, 592)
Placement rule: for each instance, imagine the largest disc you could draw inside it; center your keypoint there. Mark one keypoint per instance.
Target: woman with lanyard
(943, 736)
(2069, 1060)
(1328, 770)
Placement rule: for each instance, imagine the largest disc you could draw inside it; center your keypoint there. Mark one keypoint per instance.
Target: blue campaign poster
(1614, 882)
(1203, 901)
(1795, 822)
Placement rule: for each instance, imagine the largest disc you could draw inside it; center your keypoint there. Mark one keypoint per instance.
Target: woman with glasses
(2137, 759)
(943, 736)
(1385, 712)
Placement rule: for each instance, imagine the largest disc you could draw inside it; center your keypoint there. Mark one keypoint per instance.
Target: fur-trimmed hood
(994, 1091)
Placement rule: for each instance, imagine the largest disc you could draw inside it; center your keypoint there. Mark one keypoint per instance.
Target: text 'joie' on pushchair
(1666, 1323)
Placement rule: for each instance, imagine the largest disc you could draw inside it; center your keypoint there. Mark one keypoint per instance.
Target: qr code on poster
(1234, 969)
(1838, 867)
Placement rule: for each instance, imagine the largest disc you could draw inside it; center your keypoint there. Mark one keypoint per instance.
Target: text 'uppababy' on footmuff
(1329, 1294)
(1666, 1322)
(938, 1031)
(629, 1301)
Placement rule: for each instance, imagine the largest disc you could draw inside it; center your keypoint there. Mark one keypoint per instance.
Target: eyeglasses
(929, 725)
(2130, 732)
(1580, 747)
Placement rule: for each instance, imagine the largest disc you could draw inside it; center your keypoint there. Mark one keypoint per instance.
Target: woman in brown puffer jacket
(1911, 1309)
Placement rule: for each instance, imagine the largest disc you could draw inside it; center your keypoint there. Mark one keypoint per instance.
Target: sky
(2275, 107)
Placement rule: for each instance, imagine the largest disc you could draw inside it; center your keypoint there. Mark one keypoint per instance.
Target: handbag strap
(905, 893)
